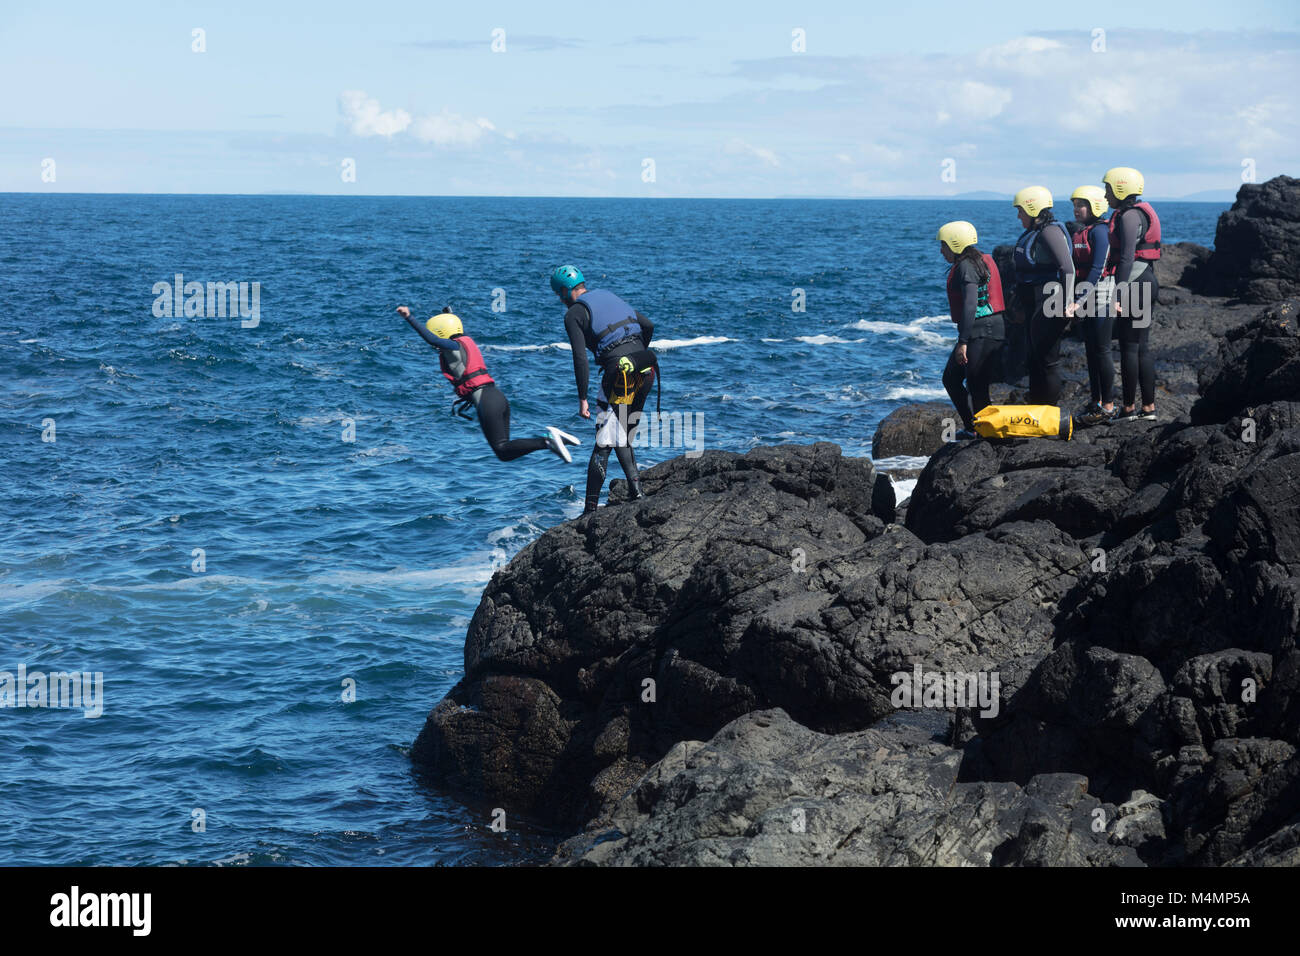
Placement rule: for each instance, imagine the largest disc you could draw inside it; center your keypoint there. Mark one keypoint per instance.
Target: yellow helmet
(957, 235)
(1033, 200)
(1094, 196)
(445, 325)
(1124, 181)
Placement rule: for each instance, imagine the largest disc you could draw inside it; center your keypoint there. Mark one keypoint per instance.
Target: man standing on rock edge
(619, 337)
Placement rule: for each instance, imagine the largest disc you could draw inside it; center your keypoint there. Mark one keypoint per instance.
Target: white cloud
(736, 146)
(1035, 108)
(450, 129)
(1028, 54)
(365, 118)
(979, 101)
(1097, 102)
(593, 165)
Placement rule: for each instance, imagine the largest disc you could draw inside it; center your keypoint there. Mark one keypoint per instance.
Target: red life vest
(475, 375)
(1082, 245)
(991, 298)
(1148, 244)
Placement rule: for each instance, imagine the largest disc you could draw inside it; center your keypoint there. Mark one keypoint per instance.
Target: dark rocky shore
(704, 676)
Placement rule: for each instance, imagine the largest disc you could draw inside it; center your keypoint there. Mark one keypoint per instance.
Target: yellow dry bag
(1024, 421)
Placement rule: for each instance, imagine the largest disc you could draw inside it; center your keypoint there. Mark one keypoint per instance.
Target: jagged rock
(646, 590)
(1258, 362)
(914, 430)
(976, 485)
(1257, 244)
(1249, 789)
(695, 590)
(766, 791)
(1179, 269)
(1140, 823)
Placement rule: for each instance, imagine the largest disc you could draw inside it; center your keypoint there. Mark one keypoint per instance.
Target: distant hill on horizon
(988, 195)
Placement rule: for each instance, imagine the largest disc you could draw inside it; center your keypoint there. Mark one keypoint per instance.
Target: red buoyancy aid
(475, 375)
(1082, 246)
(1148, 244)
(989, 302)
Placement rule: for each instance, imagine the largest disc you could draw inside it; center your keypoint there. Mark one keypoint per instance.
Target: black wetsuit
(1098, 327)
(968, 385)
(492, 405)
(577, 323)
(1136, 366)
(1044, 331)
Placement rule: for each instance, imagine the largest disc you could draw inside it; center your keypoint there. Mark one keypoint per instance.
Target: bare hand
(1071, 310)
(583, 410)
(1119, 309)
(403, 311)
(959, 353)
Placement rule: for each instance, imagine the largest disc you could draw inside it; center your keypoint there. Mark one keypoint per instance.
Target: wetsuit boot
(595, 477)
(628, 460)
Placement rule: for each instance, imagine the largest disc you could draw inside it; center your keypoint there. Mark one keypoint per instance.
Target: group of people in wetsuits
(1115, 297)
(596, 320)
(1102, 275)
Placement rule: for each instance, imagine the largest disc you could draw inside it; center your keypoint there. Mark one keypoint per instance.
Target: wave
(826, 340)
(916, 329)
(527, 348)
(21, 592)
(903, 489)
(659, 345)
(901, 462)
(462, 574)
(454, 574)
(917, 392)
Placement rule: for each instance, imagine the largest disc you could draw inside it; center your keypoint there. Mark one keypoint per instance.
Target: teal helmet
(565, 279)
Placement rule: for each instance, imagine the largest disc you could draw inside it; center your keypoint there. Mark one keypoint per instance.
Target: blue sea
(202, 532)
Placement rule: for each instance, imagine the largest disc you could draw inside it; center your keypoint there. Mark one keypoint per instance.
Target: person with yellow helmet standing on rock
(975, 305)
(1091, 245)
(1044, 269)
(462, 365)
(1134, 249)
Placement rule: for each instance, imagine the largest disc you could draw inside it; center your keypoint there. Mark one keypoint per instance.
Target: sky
(722, 99)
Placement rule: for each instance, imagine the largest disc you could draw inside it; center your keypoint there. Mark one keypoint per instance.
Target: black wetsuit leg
(599, 463)
(494, 419)
(1136, 365)
(984, 362)
(968, 385)
(1044, 354)
(626, 456)
(595, 477)
(954, 380)
(1097, 333)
